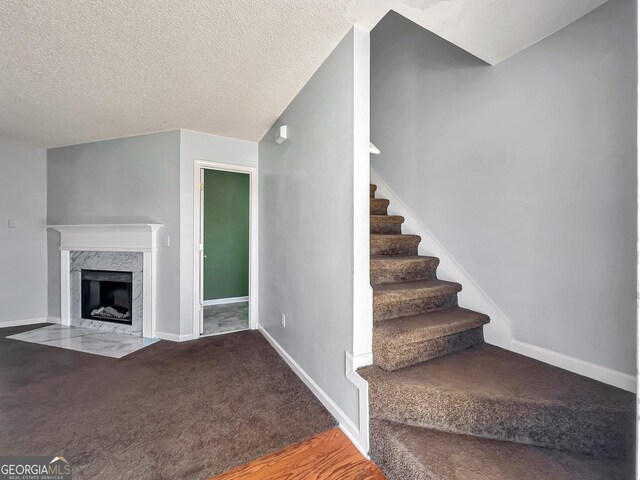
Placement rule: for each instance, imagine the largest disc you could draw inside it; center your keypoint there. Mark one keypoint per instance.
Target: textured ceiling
(492, 30)
(73, 71)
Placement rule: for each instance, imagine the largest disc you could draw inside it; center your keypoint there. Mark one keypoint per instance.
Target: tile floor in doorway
(229, 317)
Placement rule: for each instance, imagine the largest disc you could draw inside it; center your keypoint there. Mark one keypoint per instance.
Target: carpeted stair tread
(394, 244)
(378, 206)
(386, 224)
(393, 269)
(428, 326)
(394, 300)
(490, 392)
(434, 285)
(407, 452)
(400, 342)
(372, 190)
(387, 218)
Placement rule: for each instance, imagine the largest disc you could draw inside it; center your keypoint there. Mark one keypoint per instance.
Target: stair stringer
(472, 296)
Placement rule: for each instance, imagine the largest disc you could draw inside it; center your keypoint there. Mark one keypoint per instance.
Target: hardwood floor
(328, 456)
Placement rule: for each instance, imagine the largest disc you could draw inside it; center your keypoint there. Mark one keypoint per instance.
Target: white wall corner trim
(346, 425)
(173, 337)
(361, 354)
(28, 321)
(575, 365)
(224, 301)
(499, 330)
(362, 292)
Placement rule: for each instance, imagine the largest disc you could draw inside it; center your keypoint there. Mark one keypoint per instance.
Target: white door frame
(200, 164)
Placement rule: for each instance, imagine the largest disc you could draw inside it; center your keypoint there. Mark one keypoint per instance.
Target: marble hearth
(110, 248)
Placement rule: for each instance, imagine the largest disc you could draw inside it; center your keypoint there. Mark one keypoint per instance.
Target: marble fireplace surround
(130, 262)
(109, 239)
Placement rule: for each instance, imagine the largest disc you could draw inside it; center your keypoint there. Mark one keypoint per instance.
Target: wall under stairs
(526, 173)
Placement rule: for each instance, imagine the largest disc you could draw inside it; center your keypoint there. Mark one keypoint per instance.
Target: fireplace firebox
(107, 296)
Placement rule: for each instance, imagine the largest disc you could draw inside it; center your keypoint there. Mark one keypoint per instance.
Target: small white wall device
(281, 134)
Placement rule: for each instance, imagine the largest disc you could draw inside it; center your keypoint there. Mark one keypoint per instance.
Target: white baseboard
(575, 365)
(172, 337)
(224, 301)
(28, 321)
(472, 296)
(345, 423)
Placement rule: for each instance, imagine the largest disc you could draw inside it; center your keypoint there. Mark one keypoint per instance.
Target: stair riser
(603, 434)
(384, 308)
(405, 352)
(378, 206)
(405, 452)
(392, 272)
(395, 462)
(389, 228)
(404, 246)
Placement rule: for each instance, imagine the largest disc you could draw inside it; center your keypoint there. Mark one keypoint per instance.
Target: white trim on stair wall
(28, 321)
(499, 331)
(224, 301)
(361, 352)
(355, 433)
(575, 365)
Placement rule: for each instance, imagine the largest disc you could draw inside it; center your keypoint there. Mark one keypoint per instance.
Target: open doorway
(224, 234)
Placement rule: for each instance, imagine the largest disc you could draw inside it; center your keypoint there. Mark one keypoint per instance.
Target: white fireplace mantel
(128, 237)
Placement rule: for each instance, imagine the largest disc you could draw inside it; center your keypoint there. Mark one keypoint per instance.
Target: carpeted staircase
(445, 405)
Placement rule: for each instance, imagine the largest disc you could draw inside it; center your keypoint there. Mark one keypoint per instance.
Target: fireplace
(107, 296)
(113, 248)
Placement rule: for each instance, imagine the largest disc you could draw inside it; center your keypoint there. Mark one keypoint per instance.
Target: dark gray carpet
(172, 410)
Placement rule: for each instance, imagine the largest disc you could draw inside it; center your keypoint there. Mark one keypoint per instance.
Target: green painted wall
(226, 234)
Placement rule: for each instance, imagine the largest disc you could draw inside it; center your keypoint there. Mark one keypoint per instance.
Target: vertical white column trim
(148, 294)
(362, 293)
(65, 287)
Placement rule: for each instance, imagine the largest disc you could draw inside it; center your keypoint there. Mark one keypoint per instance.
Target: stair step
(394, 300)
(386, 224)
(392, 269)
(405, 452)
(378, 206)
(489, 392)
(405, 245)
(401, 342)
(372, 190)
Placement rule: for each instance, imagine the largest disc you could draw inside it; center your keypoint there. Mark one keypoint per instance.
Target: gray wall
(127, 180)
(23, 249)
(525, 172)
(306, 227)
